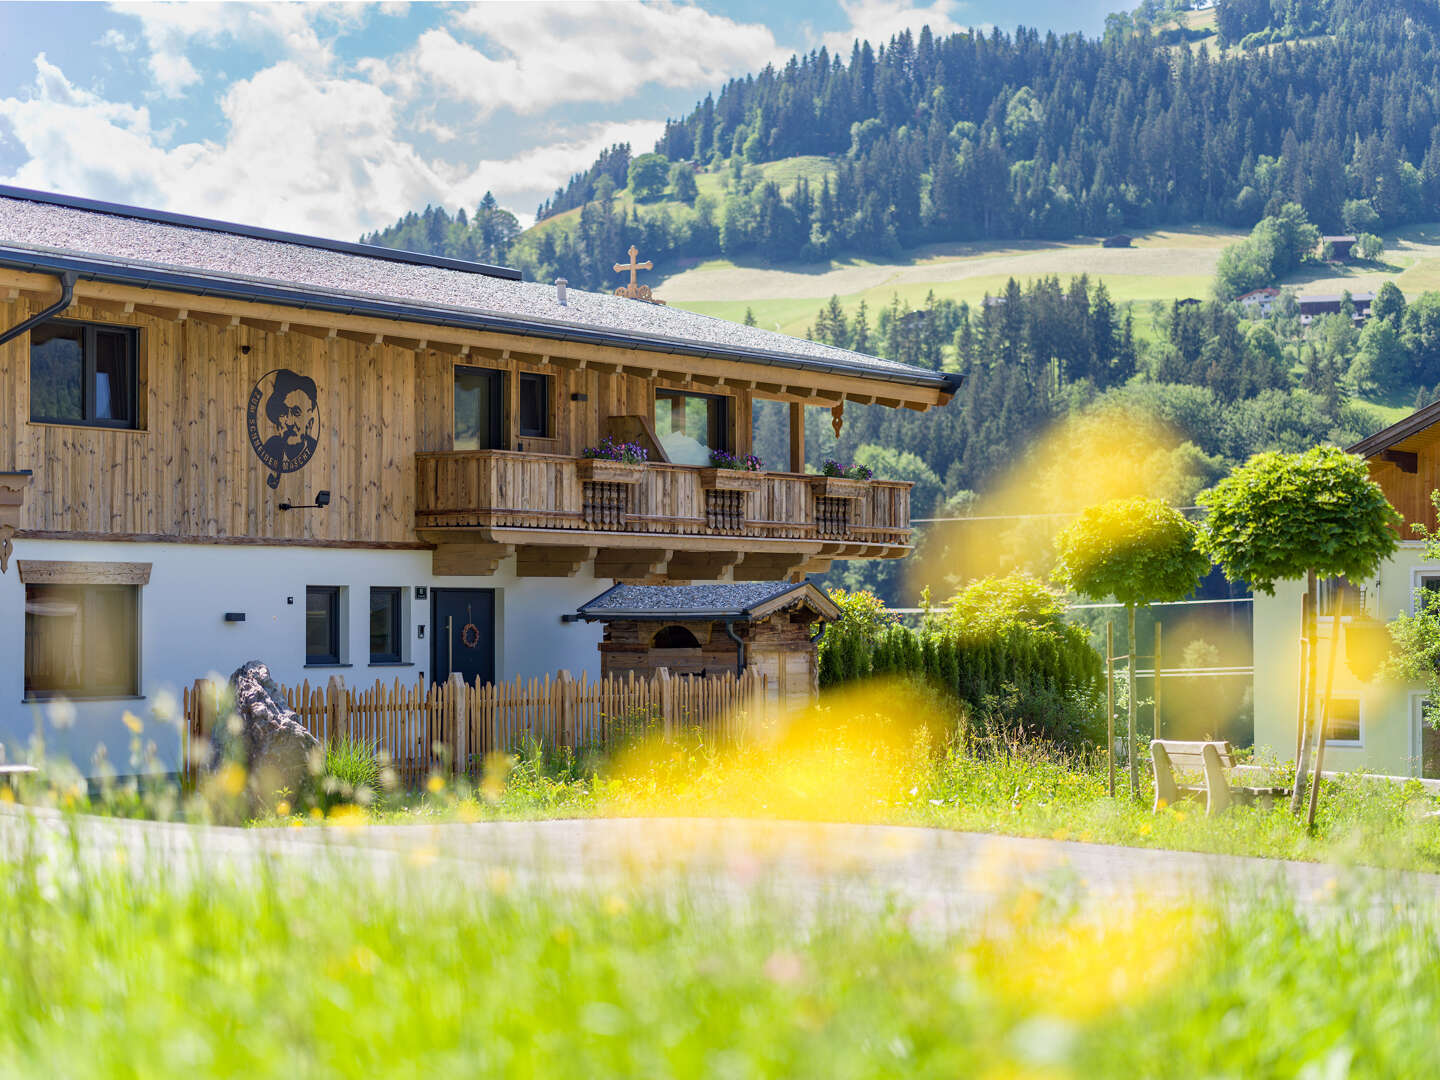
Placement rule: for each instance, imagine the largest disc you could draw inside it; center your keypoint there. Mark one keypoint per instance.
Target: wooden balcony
(652, 522)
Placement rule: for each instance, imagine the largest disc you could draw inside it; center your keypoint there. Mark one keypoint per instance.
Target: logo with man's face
(282, 419)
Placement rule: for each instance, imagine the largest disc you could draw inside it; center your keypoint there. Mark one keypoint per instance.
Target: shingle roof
(39, 231)
(722, 600)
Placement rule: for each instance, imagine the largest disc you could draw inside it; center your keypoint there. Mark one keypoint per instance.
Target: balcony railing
(499, 490)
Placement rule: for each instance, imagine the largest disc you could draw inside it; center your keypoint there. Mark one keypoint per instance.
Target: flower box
(716, 479)
(839, 487)
(604, 471)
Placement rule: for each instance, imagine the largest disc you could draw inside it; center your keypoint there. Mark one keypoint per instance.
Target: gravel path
(952, 877)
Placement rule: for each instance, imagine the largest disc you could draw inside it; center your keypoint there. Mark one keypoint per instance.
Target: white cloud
(877, 21)
(531, 57)
(172, 29)
(340, 165)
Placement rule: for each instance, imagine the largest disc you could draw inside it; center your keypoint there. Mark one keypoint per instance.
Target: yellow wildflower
(282, 808)
(133, 722)
(1145, 829)
(435, 784)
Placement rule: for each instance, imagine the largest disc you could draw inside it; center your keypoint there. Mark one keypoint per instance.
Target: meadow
(134, 969)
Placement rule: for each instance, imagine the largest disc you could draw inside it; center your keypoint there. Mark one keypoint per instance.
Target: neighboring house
(1378, 722)
(1119, 240)
(1312, 307)
(233, 443)
(1338, 246)
(1260, 300)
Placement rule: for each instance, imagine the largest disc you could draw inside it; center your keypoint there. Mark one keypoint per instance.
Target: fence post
(666, 687)
(459, 717)
(201, 725)
(565, 694)
(335, 708)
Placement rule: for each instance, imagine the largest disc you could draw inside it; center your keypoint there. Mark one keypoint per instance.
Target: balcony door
(479, 412)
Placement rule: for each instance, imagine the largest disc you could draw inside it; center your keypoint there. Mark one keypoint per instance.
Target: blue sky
(337, 118)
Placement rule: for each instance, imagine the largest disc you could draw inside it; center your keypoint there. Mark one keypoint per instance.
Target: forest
(1019, 135)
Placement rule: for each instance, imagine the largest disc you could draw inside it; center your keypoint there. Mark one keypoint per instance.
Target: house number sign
(281, 419)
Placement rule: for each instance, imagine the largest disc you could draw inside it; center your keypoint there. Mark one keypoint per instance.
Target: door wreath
(470, 635)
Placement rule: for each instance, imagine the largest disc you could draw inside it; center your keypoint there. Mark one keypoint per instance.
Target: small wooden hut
(765, 626)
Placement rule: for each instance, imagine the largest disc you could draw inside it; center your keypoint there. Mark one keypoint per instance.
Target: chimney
(560, 284)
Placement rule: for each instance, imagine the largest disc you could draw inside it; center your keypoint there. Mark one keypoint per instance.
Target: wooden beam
(160, 311)
(109, 308)
(701, 565)
(452, 348)
(268, 326)
(320, 333)
(797, 437)
(47, 572)
(631, 562)
(363, 337)
(468, 560)
(1404, 460)
(413, 344)
(220, 322)
(543, 560)
(756, 566)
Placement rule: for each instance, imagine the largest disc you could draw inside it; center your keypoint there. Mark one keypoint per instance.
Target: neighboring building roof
(1259, 294)
(1398, 432)
(1337, 239)
(1336, 298)
(740, 601)
(49, 233)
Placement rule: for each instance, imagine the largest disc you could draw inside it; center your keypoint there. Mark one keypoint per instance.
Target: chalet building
(1339, 247)
(1377, 723)
(1312, 307)
(1261, 301)
(225, 442)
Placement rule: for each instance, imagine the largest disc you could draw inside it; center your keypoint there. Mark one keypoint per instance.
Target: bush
(1001, 646)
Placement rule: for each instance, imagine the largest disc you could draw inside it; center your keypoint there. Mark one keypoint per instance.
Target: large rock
(265, 735)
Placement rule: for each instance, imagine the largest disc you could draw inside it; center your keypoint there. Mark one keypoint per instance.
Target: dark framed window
(82, 641)
(1344, 723)
(479, 393)
(385, 638)
(689, 426)
(322, 624)
(84, 373)
(534, 405)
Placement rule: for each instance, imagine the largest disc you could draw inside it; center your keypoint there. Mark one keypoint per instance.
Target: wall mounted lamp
(322, 500)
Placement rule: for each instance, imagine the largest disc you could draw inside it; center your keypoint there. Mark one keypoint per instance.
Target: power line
(1158, 603)
(1015, 517)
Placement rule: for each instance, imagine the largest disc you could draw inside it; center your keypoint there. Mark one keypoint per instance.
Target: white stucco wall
(184, 635)
(1389, 711)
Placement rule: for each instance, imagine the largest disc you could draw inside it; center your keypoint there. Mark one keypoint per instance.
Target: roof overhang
(1390, 439)
(803, 592)
(165, 278)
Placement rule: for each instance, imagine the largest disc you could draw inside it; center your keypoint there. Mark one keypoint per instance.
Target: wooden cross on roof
(635, 291)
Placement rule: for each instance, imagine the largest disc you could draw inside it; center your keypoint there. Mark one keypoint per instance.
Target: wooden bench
(1210, 759)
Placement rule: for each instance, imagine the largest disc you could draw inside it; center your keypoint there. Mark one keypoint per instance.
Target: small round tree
(1281, 517)
(1139, 551)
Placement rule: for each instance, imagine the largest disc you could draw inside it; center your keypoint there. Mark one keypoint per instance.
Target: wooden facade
(1409, 473)
(384, 447)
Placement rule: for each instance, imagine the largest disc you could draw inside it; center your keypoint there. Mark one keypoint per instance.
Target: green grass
(847, 774)
(326, 971)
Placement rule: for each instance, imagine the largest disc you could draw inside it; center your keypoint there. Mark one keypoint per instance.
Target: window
(82, 373)
(689, 426)
(1344, 725)
(770, 433)
(478, 394)
(1338, 597)
(534, 405)
(322, 624)
(1427, 591)
(385, 622)
(82, 640)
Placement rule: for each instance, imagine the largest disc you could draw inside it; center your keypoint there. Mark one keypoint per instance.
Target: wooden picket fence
(450, 727)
